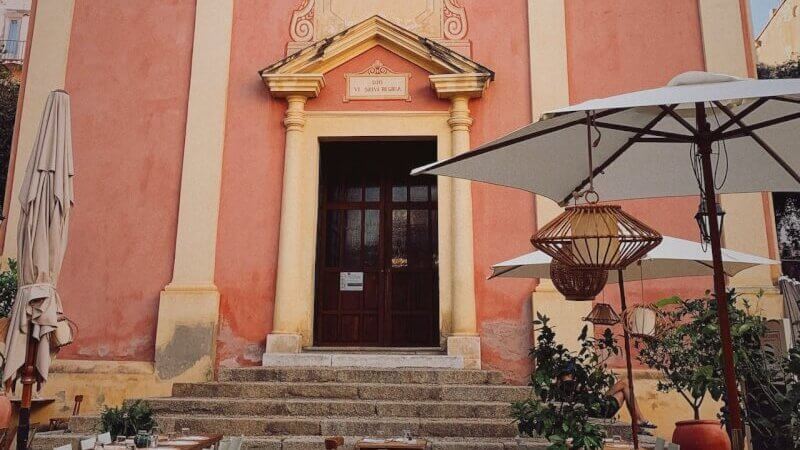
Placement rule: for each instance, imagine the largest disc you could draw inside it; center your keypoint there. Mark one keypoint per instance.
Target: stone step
(330, 408)
(48, 442)
(387, 361)
(345, 426)
(362, 375)
(363, 391)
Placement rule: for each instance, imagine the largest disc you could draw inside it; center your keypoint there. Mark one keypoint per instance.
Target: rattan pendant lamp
(592, 236)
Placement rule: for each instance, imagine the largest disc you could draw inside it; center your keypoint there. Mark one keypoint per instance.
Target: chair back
(88, 443)
(64, 447)
(224, 444)
(76, 408)
(104, 438)
(32, 434)
(8, 438)
(235, 443)
(659, 444)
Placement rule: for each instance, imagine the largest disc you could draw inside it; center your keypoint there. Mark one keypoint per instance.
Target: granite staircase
(296, 407)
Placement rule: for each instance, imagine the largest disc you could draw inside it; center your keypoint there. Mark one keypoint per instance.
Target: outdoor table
(392, 443)
(194, 442)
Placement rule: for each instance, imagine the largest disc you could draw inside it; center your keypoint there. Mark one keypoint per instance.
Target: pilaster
(465, 340)
(188, 312)
(291, 324)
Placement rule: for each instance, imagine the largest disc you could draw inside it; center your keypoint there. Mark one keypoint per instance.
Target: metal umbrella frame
(645, 130)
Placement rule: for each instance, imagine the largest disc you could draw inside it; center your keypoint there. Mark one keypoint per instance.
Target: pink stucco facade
(129, 77)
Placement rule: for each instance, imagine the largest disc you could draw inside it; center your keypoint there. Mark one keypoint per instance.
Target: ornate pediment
(444, 21)
(448, 67)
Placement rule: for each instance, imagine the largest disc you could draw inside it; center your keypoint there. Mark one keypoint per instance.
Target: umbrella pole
(732, 393)
(629, 366)
(28, 378)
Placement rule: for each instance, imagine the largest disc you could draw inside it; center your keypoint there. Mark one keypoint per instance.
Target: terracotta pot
(701, 435)
(5, 410)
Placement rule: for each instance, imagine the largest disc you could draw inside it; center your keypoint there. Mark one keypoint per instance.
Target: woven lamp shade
(593, 236)
(577, 284)
(643, 321)
(602, 314)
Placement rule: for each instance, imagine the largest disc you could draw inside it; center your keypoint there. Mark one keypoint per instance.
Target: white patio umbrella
(46, 198)
(702, 133)
(673, 258)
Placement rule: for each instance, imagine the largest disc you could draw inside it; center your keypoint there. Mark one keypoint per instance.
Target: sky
(759, 9)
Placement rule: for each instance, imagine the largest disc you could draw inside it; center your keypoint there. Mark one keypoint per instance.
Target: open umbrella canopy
(645, 139)
(671, 259)
(46, 198)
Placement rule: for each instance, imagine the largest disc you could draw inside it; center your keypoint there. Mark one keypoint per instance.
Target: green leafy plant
(689, 354)
(9, 279)
(561, 407)
(9, 92)
(127, 419)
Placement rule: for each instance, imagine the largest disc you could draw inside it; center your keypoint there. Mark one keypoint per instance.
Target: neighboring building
(779, 41)
(224, 216)
(14, 17)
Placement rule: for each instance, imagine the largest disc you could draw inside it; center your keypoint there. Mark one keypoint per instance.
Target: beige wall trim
(47, 70)
(723, 43)
(548, 56)
(102, 367)
(550, 90)
(188, 311)
(195, 246)
(294, 302)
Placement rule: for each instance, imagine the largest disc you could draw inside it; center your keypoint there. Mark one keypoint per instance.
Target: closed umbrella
(46, 198)
(702, 133)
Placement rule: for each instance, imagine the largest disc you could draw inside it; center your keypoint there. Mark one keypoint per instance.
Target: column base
(284, 343)
(467, 347)
(186, 333)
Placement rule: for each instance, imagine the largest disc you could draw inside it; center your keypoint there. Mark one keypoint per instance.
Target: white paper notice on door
(351, 281)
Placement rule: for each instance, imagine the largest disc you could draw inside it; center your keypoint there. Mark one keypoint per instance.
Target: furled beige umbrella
(46, 198)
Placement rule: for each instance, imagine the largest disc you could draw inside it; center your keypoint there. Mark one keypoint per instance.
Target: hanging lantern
(642, 321)
(593, 236)
(577, 284)
(602, 314)
(704, 223)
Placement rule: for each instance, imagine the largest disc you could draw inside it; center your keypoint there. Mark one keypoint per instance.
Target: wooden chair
(62, 423)
(332, 443)
(32, 434)
(8, 438)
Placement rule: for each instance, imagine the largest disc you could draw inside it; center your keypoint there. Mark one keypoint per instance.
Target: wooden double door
(377, 281)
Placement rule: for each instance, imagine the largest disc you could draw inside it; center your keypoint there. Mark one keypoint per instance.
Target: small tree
(9, 91)
(788, 69)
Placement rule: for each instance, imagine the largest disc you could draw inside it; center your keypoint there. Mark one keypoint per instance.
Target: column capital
(285, 85)
(468, 85)
(460, 118)
(295, 118)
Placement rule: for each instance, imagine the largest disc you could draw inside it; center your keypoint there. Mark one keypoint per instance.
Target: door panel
(379, 223)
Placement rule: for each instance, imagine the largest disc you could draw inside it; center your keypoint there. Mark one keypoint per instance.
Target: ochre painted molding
(303, 84)
(471, 85)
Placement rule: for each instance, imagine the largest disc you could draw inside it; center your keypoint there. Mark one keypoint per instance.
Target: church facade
(242, 174)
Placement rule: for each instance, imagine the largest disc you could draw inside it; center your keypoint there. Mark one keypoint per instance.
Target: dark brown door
(377, 266)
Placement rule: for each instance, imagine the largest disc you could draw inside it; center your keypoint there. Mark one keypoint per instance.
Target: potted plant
(560, 412)
(128, 419)
(688, 357)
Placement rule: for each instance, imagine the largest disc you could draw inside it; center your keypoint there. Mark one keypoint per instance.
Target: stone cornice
(301, 84)
(470, 85)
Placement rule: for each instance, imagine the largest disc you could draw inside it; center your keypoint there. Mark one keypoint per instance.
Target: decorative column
(465, 340)
(294, 296)
(188, 311)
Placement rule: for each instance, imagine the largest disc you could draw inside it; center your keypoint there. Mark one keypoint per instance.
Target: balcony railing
(11, 51)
